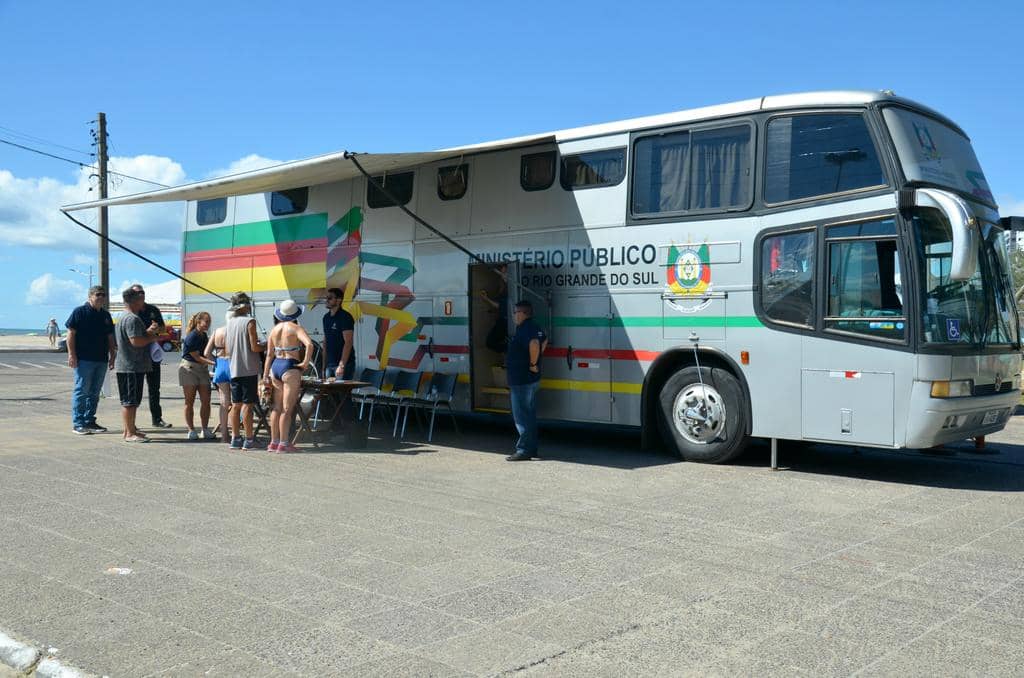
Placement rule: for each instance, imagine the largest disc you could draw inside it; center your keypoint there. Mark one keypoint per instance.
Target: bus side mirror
(963, 224)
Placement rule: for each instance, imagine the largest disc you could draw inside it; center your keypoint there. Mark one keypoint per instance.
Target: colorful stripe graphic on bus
(345, 259)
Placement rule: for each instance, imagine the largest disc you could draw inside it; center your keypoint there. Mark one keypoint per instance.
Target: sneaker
(272, 447)
(96, 428)
(209, 435)
(236, 443)
(160, 423)
(285, 448)
(248, 443)
(82, 430)
(192, 435)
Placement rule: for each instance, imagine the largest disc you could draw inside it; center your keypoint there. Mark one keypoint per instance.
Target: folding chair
(405, 386)
(369, 394)
(439, 392)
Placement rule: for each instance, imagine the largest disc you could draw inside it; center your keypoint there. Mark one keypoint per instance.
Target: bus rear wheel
(702, 415)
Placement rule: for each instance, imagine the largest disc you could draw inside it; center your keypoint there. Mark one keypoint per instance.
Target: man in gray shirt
(133, 361)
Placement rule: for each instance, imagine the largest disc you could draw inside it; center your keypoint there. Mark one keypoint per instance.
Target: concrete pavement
(179, 558)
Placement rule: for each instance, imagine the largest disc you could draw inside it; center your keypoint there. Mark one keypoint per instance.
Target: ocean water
(8, 332)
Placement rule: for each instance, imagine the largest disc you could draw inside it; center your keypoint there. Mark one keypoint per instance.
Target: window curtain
(721, 168)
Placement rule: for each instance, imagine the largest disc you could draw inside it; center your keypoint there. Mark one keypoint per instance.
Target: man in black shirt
(150, 314)
(91, 351)
(525, 348)
(339, 326)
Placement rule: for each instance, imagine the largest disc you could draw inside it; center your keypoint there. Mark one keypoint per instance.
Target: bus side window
(787, 277)
(819, 154)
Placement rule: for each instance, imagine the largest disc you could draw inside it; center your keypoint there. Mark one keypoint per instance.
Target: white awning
(310, 172)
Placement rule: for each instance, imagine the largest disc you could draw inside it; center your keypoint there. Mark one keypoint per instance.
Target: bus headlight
(952, 389)
(1016, 382)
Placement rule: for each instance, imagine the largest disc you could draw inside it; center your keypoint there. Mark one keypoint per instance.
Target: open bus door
(493, 292)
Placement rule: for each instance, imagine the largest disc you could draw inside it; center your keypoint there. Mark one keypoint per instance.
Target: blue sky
(196, 89)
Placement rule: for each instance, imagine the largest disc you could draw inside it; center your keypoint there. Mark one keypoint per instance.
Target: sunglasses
(100, 294)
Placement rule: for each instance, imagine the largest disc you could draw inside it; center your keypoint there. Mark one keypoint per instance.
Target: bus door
(489, 309)
(848, 375)
(588, 358)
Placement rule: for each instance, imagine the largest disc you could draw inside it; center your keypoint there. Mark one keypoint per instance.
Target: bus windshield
(977, 312)
(933, 153)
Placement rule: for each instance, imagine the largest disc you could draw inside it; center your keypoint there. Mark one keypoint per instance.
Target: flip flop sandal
(136, 439)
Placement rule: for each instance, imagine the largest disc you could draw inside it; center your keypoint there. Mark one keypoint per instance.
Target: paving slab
(409, 559)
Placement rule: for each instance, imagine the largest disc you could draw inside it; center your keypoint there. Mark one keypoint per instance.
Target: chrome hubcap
(698, 413)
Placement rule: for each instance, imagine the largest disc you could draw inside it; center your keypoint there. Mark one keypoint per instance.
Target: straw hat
(288, 310)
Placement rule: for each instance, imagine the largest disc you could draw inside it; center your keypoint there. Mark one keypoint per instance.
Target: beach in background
(25, 339)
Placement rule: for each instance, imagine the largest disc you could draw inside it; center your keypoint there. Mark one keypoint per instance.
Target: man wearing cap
(91, 351)
(133, 362)
(149, 315)
(243, 347)
(525, 348)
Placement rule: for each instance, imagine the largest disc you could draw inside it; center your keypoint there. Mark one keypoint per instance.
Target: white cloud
(83, 259)
(46, 290)
(247, 164)
(30, 216)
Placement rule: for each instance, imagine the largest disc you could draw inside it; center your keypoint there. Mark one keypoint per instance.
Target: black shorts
(129, 387)
(244, 389)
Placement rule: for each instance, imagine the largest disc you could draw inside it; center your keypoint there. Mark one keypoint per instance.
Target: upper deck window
(452, 182)
(398, 185)
(819, 154)
(211, 211)
(292, 201)
(537, 171)
(685, 171)
(594, 169)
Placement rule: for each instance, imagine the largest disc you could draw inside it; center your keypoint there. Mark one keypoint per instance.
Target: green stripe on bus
(289, 229)
(657, 321)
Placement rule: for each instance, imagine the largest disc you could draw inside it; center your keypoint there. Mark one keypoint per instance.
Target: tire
(167, 346)
(716, 431)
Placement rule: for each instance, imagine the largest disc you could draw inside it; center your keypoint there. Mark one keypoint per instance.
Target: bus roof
(333, 167)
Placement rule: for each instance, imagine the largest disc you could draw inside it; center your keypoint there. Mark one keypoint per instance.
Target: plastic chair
(404, 386)
(439, 393)
(369, 394)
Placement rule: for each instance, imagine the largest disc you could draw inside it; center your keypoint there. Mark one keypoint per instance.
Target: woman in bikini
(285, 344)
(216, 349)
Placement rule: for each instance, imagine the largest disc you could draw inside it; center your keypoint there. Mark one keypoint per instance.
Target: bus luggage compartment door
(588, 359)
(847, 406)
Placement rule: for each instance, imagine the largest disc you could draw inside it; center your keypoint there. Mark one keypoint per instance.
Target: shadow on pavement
(998, 468)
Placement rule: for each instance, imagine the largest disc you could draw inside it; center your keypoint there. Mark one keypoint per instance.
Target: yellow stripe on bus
(261, 279)
(595, 386)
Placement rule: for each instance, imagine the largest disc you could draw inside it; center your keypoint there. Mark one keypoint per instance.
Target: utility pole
(101, 163)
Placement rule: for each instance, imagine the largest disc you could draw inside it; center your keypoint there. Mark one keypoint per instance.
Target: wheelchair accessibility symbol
(953, 329)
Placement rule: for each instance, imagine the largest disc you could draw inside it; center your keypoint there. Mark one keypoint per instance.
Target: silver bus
(824, 267)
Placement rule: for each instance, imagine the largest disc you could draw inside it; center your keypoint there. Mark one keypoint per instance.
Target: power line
(40, 140)
(80, 164)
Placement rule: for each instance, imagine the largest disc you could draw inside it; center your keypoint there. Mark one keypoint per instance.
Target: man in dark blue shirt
(91, 351)
(525, 348)
(339, 359)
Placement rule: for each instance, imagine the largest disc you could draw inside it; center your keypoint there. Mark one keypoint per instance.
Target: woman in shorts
(194, 375)
(291, 348)
(216, 349)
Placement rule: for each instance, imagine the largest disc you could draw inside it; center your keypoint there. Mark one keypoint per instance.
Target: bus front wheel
(702, 415)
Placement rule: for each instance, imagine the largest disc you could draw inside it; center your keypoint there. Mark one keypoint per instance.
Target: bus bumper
(936, 421)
